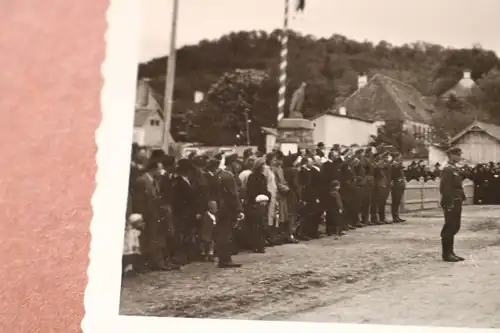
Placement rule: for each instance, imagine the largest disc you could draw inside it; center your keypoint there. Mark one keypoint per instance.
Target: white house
(148, 118)
(333, 128)
(463, 88)
(381, 97)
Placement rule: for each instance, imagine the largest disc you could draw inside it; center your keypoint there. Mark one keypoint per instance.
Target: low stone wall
(420, 195)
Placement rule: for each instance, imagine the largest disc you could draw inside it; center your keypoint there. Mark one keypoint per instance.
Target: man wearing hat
(359, 169)
(367, 194)
(184, 214)
(320, 147)
(398, 185)
(381, 188)
(230, 210)
(348, 190)
(452, 197)
(147, 202)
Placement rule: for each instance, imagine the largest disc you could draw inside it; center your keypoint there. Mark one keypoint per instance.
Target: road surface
(389, 274)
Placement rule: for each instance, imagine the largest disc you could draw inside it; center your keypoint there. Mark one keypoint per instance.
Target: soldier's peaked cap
(454, 151)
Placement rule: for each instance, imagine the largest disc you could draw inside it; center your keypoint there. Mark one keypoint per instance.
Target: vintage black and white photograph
(317, 161)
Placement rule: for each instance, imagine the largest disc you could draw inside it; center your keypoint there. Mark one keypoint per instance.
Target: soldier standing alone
(398, 186)
(452, 197)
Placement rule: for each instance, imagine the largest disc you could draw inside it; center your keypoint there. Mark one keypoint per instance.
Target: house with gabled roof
(382, 98)
(480, 142)
(463, 88)
(148, 117)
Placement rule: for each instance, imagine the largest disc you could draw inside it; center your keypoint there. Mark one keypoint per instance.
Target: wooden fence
(420, 195)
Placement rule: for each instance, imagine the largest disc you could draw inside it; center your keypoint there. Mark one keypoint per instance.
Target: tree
(393, 133)
(330, 67)
(453, 116)
(229, 103)
(488, 94)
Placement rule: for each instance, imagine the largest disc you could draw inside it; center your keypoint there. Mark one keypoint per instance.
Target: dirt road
(388, 274)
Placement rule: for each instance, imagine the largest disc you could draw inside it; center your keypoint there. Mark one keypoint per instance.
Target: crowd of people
(485, 176)
(203, 208)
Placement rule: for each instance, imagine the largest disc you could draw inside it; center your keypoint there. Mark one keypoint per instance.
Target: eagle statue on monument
(297, 102)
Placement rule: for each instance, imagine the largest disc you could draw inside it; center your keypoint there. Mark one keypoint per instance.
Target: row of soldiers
(348, 188)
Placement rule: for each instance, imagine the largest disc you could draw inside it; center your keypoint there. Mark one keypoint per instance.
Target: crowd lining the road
(204, 208)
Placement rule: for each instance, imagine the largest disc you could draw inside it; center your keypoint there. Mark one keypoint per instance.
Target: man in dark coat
(348, 191)
(452, 197)
(381, 189)
(366, 198)
(147, 202)
(360, 183)
(166, 182)
(310, 199)
(184, 212)
(291, 173)
(230, 210)
(398, 186)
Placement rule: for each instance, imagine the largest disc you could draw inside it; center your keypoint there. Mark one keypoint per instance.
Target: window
(154, 122)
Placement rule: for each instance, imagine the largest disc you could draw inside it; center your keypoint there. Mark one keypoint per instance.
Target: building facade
(148, 117)
(480, 143)
(381, 98)
(331, 128)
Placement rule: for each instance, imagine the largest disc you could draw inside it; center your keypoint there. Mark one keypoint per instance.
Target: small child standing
(208, 222)
(131, 246)
(334, 211)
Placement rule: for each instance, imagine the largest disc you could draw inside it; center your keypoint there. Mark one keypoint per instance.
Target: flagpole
(283, 64)
(170, 79)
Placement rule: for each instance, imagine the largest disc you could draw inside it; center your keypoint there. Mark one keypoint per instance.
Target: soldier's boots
(452, 245)
(448, 254)
(397, 219)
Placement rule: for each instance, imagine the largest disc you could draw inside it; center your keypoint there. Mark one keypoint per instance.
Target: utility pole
(170, 78)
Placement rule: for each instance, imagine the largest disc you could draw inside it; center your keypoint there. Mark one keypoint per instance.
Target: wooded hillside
(330, 66)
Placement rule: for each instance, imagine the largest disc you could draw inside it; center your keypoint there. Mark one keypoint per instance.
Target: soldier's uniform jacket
(369, 171)
(397, 173)
(451, 186)
(381, 175)
(347, 177)
(360, 175)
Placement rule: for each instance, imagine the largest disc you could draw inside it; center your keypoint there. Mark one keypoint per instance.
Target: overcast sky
(458, 23)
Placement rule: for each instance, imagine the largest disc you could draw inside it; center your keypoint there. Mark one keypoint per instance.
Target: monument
(294, 129)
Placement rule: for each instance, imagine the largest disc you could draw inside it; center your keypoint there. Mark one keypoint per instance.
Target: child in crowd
(208, 223)
(334, 211)
(131, 246)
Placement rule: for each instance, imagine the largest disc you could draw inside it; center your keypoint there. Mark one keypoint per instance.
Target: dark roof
(336, 114)
(490, 129)
(384, 97)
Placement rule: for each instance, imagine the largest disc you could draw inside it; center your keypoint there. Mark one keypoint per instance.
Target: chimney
(467, 74)
(362, 80)
(342, 111)
(142, 92)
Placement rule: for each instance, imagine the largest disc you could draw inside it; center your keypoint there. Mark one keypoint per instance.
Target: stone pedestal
(296, 130)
